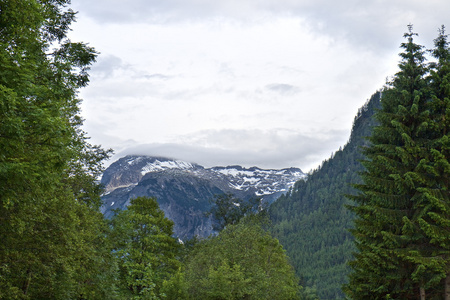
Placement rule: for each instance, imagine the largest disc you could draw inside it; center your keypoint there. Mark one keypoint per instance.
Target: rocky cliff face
(183, 190)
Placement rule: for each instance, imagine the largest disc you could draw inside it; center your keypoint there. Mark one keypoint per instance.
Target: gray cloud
(157, 76)
(107, 65)
(282, 88)
(265, 149)
(368, 24)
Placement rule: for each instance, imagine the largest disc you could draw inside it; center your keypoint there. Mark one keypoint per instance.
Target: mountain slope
(184, 190)
(311, 221)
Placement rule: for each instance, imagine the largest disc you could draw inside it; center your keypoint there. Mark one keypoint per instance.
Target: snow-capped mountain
(184, 189)
(258, 181)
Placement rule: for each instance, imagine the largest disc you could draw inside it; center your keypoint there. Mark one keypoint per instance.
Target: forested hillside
(312, 222)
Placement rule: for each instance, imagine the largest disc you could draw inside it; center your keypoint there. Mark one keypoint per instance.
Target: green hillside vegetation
(242, 262)
(311, 220)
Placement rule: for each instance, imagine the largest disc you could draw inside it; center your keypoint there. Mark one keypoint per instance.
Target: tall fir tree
(434, 218)
(403, 201)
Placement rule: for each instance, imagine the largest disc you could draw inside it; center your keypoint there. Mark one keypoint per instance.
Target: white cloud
(210, 76)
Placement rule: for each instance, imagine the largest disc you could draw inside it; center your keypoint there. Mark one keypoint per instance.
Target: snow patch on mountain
(157, 166)
(235, 172)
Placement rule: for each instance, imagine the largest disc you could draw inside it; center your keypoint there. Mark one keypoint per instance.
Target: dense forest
(372, 221)
(312, 222)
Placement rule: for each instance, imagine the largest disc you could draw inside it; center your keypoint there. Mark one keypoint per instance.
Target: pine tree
(402, 208)
(388, 194)
(228, 210)
(434, 218)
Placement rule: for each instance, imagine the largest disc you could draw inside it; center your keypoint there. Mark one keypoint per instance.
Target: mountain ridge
(184, 186)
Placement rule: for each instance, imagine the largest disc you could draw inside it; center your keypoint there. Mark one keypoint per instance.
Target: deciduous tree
(242, 262)
(146, 250)
(52, 234)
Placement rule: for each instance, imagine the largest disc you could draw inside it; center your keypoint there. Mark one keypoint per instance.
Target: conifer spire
(404, 195)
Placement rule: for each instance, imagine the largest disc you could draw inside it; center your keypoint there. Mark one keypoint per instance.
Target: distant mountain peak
(177, 183)
(162, 165)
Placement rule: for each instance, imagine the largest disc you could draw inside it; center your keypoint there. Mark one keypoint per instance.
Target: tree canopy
(403, 208)
(242, 262)
(52, 234)
(146, 251)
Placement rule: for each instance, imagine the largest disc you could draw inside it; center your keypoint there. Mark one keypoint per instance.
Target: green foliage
(144, 246)
(311, 220)
(53, 235)
(403, 207)
(242, 262)
(174, 287)
(227, 210)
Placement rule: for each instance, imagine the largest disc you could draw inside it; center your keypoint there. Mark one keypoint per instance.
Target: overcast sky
(268, 83)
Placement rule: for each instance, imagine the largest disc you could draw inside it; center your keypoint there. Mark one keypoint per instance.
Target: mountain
(184, 190)
(312, 222)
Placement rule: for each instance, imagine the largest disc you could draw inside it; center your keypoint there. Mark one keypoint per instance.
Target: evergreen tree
(434, 218)
(402, 191)
(146, 251)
